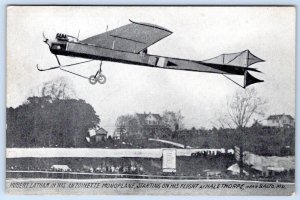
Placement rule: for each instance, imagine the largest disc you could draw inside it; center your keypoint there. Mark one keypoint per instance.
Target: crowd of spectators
(104, 168)
(114, 169)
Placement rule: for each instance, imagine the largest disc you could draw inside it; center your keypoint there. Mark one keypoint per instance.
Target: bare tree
(173, 120)
(59, 88)
(127, 124)
(241, 108)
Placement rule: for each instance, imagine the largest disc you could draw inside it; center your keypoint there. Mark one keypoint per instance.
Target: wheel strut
(98, 77)
(93, 79)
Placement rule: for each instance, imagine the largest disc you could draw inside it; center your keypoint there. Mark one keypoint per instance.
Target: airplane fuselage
(88, 51)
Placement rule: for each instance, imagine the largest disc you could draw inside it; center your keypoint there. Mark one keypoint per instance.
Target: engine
(61, 36)
(65, 37)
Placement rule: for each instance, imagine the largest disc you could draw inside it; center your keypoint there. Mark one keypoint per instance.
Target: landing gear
(93, 79)
(101, 79)
(98, 77)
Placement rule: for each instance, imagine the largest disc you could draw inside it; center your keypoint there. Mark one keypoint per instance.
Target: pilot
(144, 52)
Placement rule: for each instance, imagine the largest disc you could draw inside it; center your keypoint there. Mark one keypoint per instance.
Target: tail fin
(249, 79)
(240, 59)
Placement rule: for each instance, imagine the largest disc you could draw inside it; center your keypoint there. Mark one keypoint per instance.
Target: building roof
(101, 131)
(271, 117)
(141, 117)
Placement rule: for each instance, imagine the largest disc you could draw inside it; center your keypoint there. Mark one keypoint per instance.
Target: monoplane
(129, 43)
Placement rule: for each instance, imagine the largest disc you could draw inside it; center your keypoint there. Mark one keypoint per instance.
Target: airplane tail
(241, 59)
(249, 79)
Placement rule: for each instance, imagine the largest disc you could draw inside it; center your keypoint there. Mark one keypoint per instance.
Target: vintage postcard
(154, 100)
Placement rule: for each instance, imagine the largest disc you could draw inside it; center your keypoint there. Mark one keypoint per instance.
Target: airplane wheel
(93, 80)
(101, 78)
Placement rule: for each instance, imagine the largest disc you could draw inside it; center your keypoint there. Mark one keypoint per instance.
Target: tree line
(52, 119)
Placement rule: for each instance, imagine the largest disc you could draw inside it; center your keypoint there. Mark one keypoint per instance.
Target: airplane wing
(133, 37)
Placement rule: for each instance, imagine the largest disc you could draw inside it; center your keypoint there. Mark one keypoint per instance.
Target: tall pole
(241, 136)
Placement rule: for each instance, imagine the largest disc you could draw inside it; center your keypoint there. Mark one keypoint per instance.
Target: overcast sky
(199, 33)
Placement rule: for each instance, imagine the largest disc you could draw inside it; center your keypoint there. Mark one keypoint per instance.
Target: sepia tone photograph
(150, 100)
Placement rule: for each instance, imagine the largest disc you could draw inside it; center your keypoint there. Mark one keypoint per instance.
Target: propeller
(46, 40)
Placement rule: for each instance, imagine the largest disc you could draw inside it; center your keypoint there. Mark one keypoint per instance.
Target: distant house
(101, 135)
(97, 135)
(149, 119)
(282, 120)
(151, 125)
